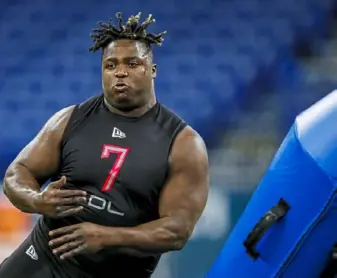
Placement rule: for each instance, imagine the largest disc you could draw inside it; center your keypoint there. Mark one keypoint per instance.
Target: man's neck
(138, 112)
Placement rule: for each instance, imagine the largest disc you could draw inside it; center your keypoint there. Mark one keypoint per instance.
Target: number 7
(116, 167)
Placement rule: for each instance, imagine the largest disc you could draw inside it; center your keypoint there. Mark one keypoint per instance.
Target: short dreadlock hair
(131, 30)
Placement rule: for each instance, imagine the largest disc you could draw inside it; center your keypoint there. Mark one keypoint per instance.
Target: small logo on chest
(116, 133)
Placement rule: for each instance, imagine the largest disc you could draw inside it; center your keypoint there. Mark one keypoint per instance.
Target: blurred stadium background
(238, 71)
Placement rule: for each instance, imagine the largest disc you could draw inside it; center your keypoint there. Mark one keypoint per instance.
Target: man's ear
(154, 71)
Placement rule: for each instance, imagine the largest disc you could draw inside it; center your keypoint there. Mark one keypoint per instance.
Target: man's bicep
(41, 156)
(186, 191)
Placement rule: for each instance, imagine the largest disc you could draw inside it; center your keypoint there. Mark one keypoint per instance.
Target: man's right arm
(35, 164)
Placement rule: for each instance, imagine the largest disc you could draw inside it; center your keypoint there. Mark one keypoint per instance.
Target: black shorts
(34, 259)
(26, 262)
(29, 261)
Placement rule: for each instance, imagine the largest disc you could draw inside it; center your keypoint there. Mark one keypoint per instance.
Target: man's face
(127, 74)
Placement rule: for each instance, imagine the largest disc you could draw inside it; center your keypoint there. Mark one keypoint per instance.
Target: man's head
(128, 70)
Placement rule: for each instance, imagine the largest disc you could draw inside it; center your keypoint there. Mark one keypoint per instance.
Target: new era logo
(32, 253)
(116, 133)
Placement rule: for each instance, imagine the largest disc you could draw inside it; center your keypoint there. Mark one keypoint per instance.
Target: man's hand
(75, 239)
(57, 202)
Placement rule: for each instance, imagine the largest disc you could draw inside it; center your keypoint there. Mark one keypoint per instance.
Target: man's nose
(120, 73)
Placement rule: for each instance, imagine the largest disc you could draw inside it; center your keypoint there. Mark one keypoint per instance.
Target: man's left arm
(181, 204)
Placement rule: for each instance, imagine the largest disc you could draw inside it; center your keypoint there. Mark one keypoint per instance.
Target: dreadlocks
(131, 30)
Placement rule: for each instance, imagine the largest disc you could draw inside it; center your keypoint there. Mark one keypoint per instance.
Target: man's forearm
(21, 188)
(155, 237)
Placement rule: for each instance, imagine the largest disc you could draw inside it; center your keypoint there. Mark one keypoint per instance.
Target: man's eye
(133, 64)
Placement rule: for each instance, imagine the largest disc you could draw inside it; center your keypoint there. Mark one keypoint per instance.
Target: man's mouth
(121, 86)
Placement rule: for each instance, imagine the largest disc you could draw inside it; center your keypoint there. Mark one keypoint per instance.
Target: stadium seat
(214, 49)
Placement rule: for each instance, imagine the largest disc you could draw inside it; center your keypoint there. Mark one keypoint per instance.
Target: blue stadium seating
(214, 54)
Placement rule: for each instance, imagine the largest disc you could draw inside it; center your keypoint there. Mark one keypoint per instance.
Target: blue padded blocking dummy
(289, 226)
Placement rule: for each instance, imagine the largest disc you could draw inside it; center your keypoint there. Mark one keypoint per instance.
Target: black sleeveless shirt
(122, 163)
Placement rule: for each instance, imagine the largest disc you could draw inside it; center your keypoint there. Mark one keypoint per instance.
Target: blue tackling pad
(289, 226)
